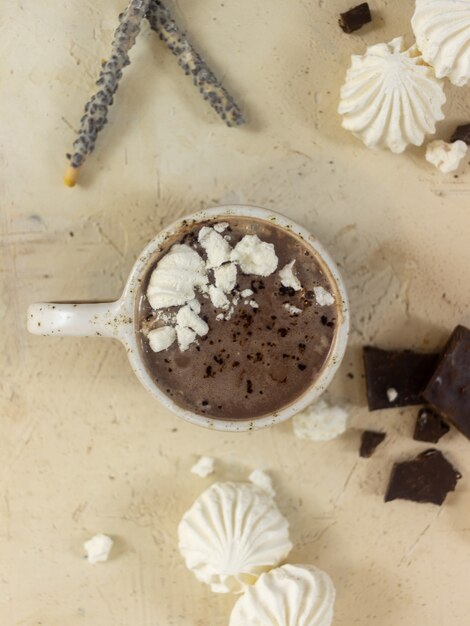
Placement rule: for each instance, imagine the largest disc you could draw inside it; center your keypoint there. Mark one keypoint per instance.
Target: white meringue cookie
(291, 595)
(391, 99)
(177, 275)
(442, 31)
(233, 533)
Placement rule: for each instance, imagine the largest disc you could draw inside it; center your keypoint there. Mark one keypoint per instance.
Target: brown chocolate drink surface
(261, 359)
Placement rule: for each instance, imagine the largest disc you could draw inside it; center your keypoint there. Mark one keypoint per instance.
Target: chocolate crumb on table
(448, 390)
(427, 478)
(404, 372)
(461, 133)
(369, 441)
(162, 22)
(96, 109)
(355, 18)
(429, 426)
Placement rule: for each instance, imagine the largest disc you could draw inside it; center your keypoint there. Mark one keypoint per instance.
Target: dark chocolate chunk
(396, 378)
(355, 18)
(428, 478)
(448, 391)
(369, 441)
(429, 426)
(461, 133)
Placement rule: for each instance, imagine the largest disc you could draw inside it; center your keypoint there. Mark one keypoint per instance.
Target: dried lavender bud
(192, 64)
(96, 110)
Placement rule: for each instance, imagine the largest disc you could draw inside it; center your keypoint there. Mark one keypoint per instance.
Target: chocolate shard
(429, 426)
(369, 441)
(448, 390)
(427, 478)
(355, 18)
(395, 378)
(461, 133)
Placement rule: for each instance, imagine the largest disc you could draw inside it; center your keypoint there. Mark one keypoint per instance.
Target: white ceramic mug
(117, 320)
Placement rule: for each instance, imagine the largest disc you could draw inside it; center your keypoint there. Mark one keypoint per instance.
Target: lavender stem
(96, 109)
(191, 62)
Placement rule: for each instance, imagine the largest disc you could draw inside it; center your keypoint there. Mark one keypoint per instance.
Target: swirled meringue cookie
(291, 595)
(178, 274)
(233, 533)
(442, 31)
(391, 99)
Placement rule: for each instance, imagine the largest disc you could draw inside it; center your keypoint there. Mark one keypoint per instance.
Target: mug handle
(80, 319)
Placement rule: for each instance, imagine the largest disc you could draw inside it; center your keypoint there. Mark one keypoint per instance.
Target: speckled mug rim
(128, 334)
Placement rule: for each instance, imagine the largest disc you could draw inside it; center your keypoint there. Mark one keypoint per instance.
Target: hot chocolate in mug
(122, 320)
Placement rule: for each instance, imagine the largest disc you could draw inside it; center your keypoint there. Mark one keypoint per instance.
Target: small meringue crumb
(226, 277)
(255, 256)
(323, 297)
(446, 156)
(204, 467)
(288, 278)
(263, 481)
(221, 226)
(228, 315)
(293, 310)
(216, 248)
(219, 317)
(161, 338)
(253, 304)
(185, 336)
(320, 422)
(97, 548)
(246, 293)
(187, 318)
(195, 306)
(392, 394)
(218, 298)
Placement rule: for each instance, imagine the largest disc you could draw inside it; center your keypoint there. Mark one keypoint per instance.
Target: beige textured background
(83, 448)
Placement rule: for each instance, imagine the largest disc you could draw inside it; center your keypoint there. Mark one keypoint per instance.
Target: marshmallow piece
(320, 422)
(323, 297)
(392, 394)
(176, 277)
(204, 467)
(246, 293)
(217, 249)
(161, 338)
(255, 256)
(97, 548)
(226, 277)
(288, 278)
(446, 156)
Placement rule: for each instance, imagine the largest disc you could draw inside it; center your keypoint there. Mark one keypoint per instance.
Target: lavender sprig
(190, 61)
(96, 109)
